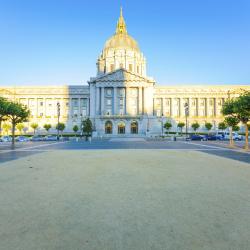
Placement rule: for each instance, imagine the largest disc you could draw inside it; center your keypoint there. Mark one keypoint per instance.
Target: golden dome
(121, 39)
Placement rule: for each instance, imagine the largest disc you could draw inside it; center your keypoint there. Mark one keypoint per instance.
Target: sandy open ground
(124, 199)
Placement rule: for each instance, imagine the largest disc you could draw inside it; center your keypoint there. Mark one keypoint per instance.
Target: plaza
(124, 194)
(103, 156)
(121, 99)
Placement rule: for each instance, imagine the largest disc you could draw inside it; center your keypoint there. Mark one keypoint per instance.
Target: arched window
(121, 128)
(108, 127)
(134, 127)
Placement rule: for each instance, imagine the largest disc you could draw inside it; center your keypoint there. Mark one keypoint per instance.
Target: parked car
(22, 138)
(226, 136)
(37, 138)
(6, 138)
(196, 138)
(213, 137)
(50, 138)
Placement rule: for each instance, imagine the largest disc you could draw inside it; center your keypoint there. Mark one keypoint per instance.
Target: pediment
(121, 75)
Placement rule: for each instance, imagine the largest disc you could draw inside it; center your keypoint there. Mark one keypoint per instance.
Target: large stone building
(122, 100)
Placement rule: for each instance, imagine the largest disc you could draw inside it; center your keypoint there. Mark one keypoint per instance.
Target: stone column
(126, 101)
(114, 100)
(44, 107)
(102, 101)
(92, 100)
(171, 106)
(206, 107)
(140, 101)
(215, 107)
(97, 101)
(197, 106)
(79, 109)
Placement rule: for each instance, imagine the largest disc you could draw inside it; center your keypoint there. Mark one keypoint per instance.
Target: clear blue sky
(52, 42)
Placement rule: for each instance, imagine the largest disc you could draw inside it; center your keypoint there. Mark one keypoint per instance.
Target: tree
(231, 122)
(34, 126)
(87, 128)
(240, 109)
(167, 126)
(6, 128)
(60, 126)
(3, 113)
(236, 128)
(75, 129)
(195, 126)
(16, 113)
(181, 125)
(222, 126)
(20, 127)
(208, 126)
(47, 127)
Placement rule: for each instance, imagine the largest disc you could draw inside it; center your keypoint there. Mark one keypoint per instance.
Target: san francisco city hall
(121, 100)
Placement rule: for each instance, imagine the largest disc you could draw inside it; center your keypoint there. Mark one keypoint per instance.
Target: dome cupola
(121, 51)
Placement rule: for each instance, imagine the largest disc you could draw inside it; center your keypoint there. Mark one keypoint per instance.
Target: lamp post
(162, 116)
(58, 118)
(186, 106)
(81, 127)
(147, 124)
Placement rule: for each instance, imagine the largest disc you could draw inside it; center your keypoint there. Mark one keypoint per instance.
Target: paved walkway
(127, 139)
(123, 200)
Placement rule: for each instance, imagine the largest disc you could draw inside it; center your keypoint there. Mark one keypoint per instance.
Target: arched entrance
(108, 127)
(134, 127)
(121, 128)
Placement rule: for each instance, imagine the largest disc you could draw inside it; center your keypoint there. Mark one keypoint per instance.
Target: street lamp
(162, 116)
(58, 117)
(81, 125)
(186, 106)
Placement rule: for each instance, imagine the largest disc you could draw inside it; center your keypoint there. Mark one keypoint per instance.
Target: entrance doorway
(121, 128)
(134, 127)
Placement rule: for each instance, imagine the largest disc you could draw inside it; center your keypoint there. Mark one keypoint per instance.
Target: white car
(236, 136)
(5, 138)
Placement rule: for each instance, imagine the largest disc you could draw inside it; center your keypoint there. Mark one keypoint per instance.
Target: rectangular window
(112, 67)
(121, 91)
(130, 67)
(121, 101)
(108, 101)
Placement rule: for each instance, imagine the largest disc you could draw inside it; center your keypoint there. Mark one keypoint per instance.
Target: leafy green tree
(195, 126)
(3, 112)
(6, 128)
(236, 128)
(34, 126)
(242, 111)
(222, 126)
(20, 127)
(75, 129)
(87, 128)
(167, 126)
(208, 126)
(60, 126)
(239, 108)
(180, 125)
(47, 127)
(231, 122)
(16, 113)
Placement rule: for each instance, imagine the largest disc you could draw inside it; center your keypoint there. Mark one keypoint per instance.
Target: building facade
(121, 100)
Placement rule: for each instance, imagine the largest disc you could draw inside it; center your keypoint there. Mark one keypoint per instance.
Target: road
(209, 147)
